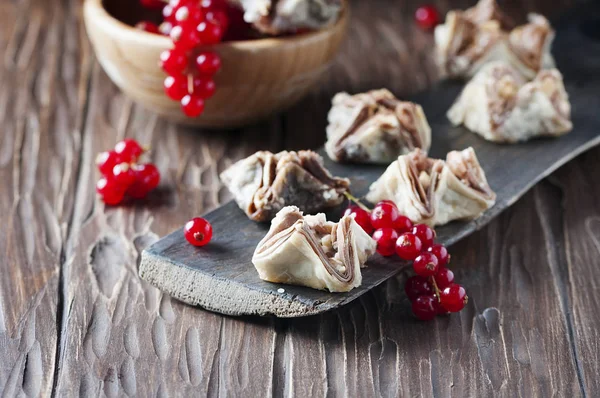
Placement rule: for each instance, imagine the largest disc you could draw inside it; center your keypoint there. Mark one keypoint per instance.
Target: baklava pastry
(434, 191)
(311, 251)
(374, 127)
(264, 183)
(275, 17)
(470, 39)
(501, 107)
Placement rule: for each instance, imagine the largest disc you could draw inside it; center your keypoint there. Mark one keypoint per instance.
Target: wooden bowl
(258, 77)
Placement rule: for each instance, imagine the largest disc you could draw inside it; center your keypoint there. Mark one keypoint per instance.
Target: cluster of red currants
(432, 291)
(190, 25)
(122, 175)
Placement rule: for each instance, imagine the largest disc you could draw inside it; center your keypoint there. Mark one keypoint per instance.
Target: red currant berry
(189, 14)
(386, 241)
(208, 63)
(176, 87)
(198, 231)
(147, 178)
(168, 14)
(384, 215)
(129, 150)
(123, 175)
(417, 286)
(165, 28)
(408, 246)
(427, 17)
(441, 253)
(361, 216)
(426, 264)
(147, 26)
(454, 298)
(425, 233)
(219, 17)
(185, 37)
(403, 224)
(204, 87)
(425, 307)
(106, 161)
(209, 32)
(174, 61)
(444, 278)
(192, 105)
(111, 193)
(153, 4)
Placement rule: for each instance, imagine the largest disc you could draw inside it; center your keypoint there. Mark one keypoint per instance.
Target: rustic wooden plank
(43, 91)
(123, 337)
(579, 236)
(220, 276)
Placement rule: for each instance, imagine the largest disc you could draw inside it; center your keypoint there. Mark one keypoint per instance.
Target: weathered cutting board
(221, 277)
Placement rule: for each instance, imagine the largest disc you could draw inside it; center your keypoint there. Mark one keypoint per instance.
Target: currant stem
(435, 287)
(354, 199)
(190, 83)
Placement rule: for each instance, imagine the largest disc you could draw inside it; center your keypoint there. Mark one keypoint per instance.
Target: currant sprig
(432, 291)
(122, 175)
(190, 24)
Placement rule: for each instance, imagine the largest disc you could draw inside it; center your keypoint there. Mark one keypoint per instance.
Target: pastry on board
(434, 191)
(470, 39)
(311, 251)
(501, 106)
(275, 17)
(264, 183)
(374, 127)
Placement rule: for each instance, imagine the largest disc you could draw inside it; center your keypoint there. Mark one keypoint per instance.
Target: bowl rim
(95, 9)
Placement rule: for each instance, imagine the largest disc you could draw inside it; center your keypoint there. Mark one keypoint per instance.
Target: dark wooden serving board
(221, 277)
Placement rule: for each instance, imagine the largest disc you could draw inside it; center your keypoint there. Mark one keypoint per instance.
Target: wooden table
(75, 319)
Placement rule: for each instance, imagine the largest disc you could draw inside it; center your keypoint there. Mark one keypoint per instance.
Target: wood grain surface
(75, 319)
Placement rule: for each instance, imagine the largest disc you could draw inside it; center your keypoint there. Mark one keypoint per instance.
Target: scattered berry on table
(427, 17)
(408, 246)
(111, 193)
(129, 150)
(386, 241)
(106, 161)
(122, 176)
(198, 231)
